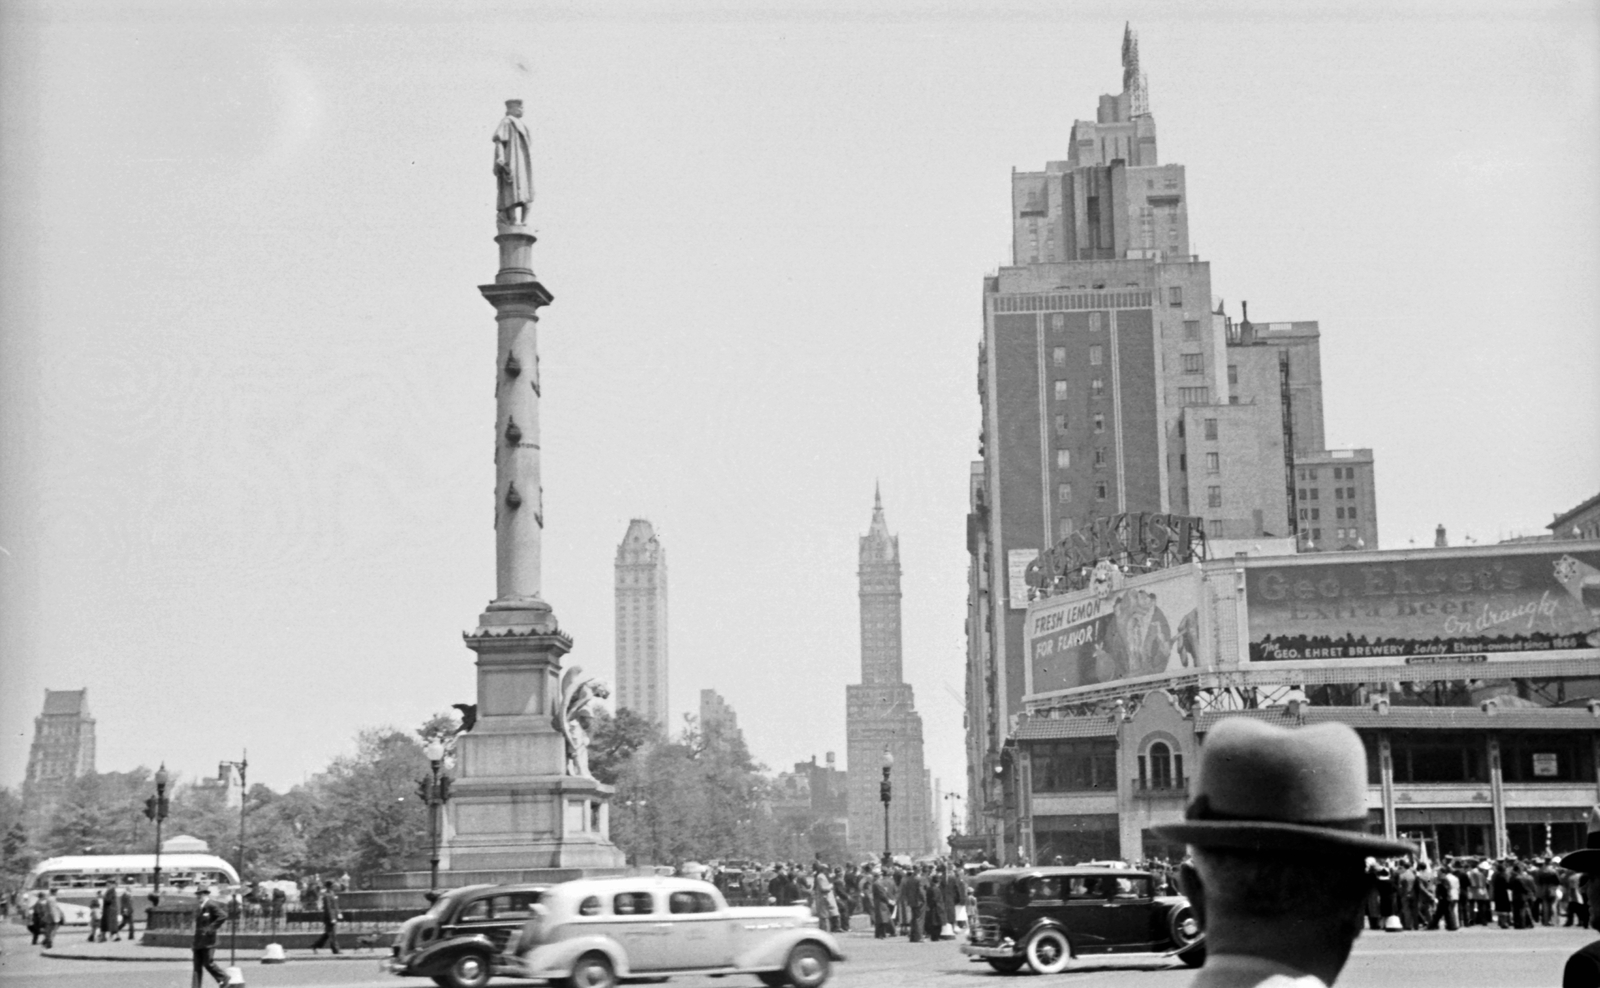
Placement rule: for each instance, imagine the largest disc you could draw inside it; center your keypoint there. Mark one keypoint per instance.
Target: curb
(347, 955)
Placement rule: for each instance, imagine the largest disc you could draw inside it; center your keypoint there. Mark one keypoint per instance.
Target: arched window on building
(1160, 767)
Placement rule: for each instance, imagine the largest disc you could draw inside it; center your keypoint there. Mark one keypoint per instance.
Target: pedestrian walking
(125, 913)
(933, 913)
(883, 892)
(1277, 831)
(48, 915)
(208, 919)
(110, 916)
(330, 921)
(912, 904)
(94, 917)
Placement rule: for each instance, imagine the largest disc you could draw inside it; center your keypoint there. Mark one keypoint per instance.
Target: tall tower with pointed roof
(641, 602)
(880, 712)
(63, 749)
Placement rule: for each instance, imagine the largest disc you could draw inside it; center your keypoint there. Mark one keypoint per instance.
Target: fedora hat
(1264, 787)
(1587, 860)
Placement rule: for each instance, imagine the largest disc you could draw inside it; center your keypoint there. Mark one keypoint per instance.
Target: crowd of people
(1513, 893)
(924, 901)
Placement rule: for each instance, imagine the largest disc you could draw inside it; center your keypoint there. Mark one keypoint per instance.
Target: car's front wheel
(470, 970)
(1187, 937)
(592, 971)
(1005, 965)
(1048, 951)
(808, 965)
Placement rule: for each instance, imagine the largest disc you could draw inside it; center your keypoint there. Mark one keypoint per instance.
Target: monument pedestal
(513, 805)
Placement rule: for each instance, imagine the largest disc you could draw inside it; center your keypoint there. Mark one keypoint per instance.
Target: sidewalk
(75, 946)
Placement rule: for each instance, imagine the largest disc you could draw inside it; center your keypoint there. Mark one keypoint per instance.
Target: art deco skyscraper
(641, 602)
(880, 713)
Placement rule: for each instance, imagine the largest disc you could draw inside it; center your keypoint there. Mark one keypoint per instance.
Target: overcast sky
(247, 385)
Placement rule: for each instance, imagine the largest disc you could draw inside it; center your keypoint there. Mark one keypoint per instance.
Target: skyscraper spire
(877, 496)
(1134, 85)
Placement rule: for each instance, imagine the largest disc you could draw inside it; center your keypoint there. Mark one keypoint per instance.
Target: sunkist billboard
(1472, 607)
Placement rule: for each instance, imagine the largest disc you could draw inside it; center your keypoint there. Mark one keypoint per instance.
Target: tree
(613, 739)
(368, 817)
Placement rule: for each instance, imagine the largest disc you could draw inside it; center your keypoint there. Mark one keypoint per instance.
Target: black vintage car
(460, 942)
(1044, 917)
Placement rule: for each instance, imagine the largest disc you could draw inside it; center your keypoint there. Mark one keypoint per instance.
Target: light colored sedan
(593, 931)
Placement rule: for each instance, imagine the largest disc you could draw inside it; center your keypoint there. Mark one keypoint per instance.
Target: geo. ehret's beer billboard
(1427, 608)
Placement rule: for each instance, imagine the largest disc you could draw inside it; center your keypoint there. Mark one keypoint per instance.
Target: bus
(80, 877)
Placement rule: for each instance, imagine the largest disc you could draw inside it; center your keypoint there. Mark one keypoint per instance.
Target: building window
(1338, 493)
(1191, 329)
(1302, 514)
(1165, 768)
(1095, 355)
(1350, 493)
(1058, 356)
(1100, 491)
(1213, 463)
(1075, 766)
(1183, 462)
(1096, 321)
(1316, 535)
(1439, 757)
(1339, 514)
(1311, 474)
(1097, 388)
(1061, 391)
(1215, 528)
(1193, 363)
(1064, 493)
(1214, 496)
(1211, 428)
(1193, 396)
(1061, 423)
(1350, 513)
(1314, 492)
(1063, 459)
(1316, 514)
(1065, 527)
(1058, 321)
(1175, 296)
(1099, 422)
(1338, 473)
(1233, 373)
(1303, 496)
(1099, 458)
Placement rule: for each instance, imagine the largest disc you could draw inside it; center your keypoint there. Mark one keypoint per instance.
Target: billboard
(1142, 626)
(1465, 607)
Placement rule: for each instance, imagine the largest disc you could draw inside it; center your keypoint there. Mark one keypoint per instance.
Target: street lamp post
(884, 791)
(238, 896)
(435, 790)
(155, 808)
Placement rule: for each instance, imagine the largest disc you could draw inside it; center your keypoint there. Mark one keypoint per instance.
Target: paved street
(1503, 959)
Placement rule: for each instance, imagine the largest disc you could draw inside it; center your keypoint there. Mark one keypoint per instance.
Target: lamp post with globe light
(155, 808)
(884, 791)
(435, 790)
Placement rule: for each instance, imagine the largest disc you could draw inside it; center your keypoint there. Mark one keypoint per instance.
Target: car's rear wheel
(773, 979)
(1048, 951)
(1187, 937)
(808, 965)
(1005, 965)
(592, 971)
(470, 970)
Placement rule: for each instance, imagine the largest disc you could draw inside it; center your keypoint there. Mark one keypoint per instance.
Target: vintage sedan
(460, 942)
(1044, 917)
(594, 931)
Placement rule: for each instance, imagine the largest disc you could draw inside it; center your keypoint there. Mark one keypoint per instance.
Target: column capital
(517, 298)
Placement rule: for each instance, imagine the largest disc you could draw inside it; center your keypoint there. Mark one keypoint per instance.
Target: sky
(246, 377)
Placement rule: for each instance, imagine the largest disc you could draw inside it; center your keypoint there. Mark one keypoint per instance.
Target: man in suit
(1278, 835)
(208, 919)
(47, 915)
(913, 902)
(125, 913)
(330, 921)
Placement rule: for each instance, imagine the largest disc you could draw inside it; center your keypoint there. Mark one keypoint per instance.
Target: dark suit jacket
(330, 907)
(208, 919)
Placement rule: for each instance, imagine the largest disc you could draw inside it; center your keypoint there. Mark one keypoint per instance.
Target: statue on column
(572, 718)
(513, 165)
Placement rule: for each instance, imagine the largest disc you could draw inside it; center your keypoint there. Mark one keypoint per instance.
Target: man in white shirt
(1278, 835)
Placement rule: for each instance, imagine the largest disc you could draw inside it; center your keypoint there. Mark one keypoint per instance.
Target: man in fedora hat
(1583, 967)
(1278, 835)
